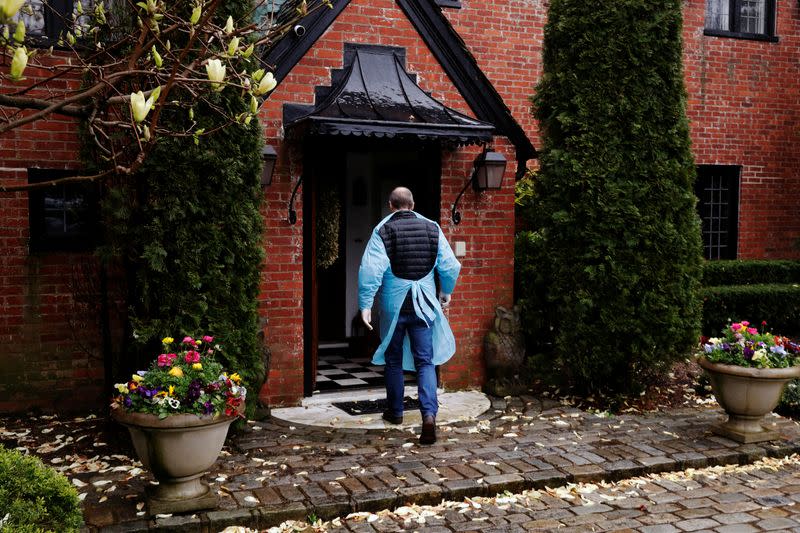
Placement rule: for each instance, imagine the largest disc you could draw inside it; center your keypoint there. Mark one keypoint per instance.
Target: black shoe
(428, 435)
(389, 417)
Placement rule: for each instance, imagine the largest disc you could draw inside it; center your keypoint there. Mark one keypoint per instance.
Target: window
(749, 19)
(48, 20)
(62, 217)
(449, 3)
(717, 188)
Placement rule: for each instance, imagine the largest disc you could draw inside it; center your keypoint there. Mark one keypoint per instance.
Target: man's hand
(444, 299)
(366, 317)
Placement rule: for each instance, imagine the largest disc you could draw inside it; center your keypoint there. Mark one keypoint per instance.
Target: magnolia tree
(121, 67)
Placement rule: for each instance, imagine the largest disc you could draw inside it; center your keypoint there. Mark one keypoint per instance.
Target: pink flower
(752, 331)
(171, 357)
(162, 360)
(188, 340)
(208, 339)
(192, 357)
(745, 323)
(736, 326)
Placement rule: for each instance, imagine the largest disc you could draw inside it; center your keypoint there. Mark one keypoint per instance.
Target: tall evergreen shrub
(614, 200)
(190, 233)
(193, 246)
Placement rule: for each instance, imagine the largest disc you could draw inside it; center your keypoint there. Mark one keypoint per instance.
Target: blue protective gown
(376, 273)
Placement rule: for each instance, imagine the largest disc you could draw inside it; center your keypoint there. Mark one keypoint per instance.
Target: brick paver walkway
(730, 499)
(275, 472)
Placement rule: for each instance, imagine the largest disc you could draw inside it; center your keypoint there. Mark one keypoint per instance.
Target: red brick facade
(51, 345)
(744, 110)
(743, 107)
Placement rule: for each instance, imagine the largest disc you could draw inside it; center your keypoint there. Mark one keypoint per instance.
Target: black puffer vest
(412, 245)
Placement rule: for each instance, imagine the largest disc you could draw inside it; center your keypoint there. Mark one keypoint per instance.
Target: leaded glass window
(742, 17)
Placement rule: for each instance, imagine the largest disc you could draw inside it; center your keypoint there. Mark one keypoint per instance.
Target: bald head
(401, 198)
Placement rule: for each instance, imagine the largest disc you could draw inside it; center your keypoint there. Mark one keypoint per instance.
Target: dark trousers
(420, 336)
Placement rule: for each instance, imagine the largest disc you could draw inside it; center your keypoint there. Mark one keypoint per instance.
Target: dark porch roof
(374, 96)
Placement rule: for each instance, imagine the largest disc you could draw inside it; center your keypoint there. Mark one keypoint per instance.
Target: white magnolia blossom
(229, 25)
(266, 84)
(216, 73)
(140, 106)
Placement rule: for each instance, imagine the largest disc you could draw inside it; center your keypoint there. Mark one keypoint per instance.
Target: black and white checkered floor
(336, 370)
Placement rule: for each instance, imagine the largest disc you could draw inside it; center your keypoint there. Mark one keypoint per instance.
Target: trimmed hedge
(778, 304)
(750, 272)
(35, 498)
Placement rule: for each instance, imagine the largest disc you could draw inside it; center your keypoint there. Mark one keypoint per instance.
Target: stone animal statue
(504, 353)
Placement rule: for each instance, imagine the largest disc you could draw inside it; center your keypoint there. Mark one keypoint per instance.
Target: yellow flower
(18, 63)
(19, 33)
(196, 12)
(172, 390)
(9, 8)
(176, 371)
(197, 366)
(157, 59)
(233, 46)
(122, 388)
(167, 340)
(236, 378)
(137, 378)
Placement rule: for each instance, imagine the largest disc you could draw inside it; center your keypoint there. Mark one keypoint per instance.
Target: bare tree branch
(120, 81)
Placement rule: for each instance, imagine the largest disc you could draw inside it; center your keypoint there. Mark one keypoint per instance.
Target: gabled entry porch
(372, 130)
(368, 96)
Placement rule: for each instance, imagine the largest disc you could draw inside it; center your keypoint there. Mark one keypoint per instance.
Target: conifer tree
(614, 200)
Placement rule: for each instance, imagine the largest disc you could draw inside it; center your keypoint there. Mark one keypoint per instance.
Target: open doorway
(348, 186)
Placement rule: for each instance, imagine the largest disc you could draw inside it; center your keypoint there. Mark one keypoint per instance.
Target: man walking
(404, 252)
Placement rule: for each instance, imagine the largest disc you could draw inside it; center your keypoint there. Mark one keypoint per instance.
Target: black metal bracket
(455, 215)
(292, 213)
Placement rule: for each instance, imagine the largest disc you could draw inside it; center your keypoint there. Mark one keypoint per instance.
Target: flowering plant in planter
(185, 378)
(743, 345)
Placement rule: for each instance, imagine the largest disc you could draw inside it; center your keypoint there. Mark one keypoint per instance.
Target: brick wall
(744, 110)
(51, 345)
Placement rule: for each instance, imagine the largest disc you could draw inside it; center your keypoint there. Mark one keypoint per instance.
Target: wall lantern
(487, 173)
(489, 169)
(269, 156)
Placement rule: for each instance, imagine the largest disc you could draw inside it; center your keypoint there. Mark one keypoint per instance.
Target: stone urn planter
(178, 450)
(746, 395)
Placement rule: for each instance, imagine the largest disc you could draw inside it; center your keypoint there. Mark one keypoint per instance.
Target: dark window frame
(770, 9)
(455, 4)
(39, 239)
(733, 175)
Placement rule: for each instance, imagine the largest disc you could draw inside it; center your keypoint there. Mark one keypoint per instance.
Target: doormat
(368, 407)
